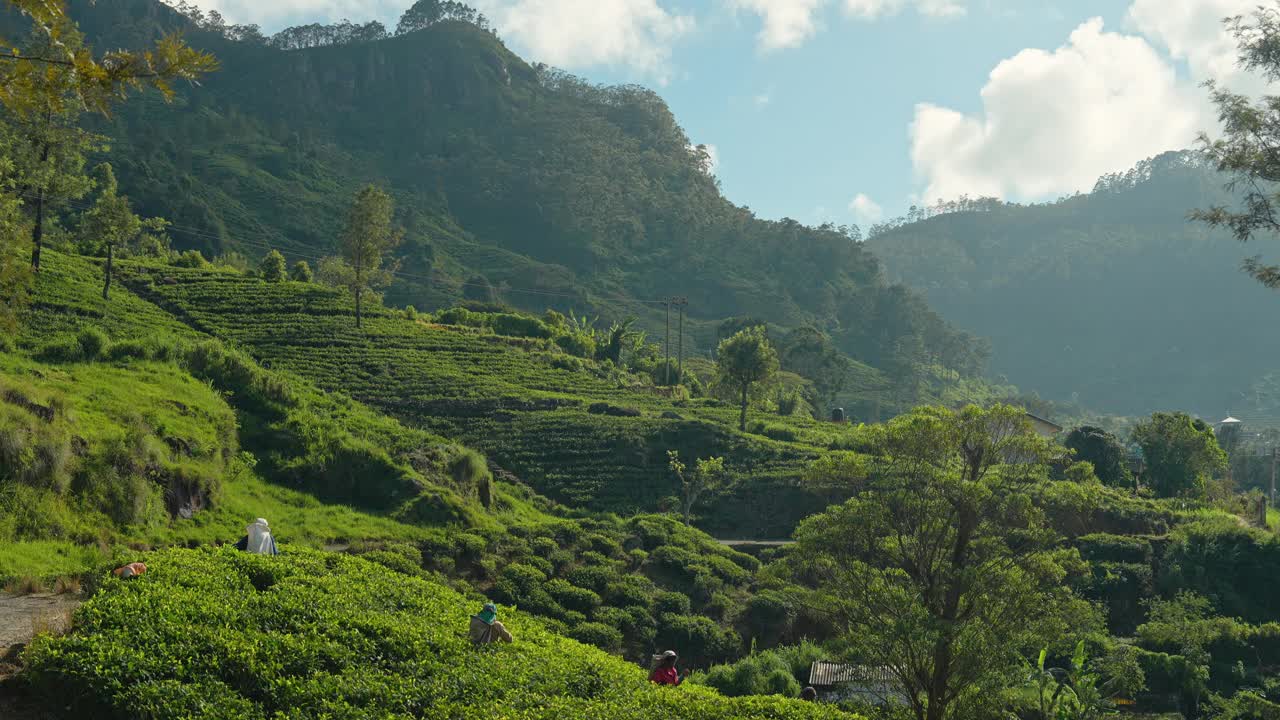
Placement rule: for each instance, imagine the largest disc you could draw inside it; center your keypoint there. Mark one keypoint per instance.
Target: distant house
(836, 681)
(1047, 428)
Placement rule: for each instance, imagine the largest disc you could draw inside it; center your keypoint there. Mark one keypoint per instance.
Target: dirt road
(21, 617)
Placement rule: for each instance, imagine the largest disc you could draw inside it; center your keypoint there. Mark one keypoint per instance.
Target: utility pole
(666, 342)
(681, 303)
(1275, 455)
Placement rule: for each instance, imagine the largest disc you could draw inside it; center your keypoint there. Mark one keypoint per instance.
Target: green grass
(68, 295)
(47, 559)
(305, 634)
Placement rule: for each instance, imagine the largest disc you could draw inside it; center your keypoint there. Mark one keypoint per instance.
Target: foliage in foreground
(940, 568)
(226, 634)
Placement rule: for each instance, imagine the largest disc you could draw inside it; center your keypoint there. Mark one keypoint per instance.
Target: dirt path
(21, 617)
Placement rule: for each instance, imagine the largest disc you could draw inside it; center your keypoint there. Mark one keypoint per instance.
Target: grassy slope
(224, 634)
(313, 446)
(508, 397)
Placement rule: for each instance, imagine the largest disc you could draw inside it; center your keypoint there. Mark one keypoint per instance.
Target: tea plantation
(581, 432)
(220, 634)
(157, 439)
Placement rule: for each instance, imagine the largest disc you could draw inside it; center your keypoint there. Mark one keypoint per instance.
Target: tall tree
(745, 359)
(15, 272)
(1181, 453)
(273, 268)
(809, 352)
(1248, 148)
(422, 14)
(366, 238)
(1102, 449)
(110, 225)
(939, 567)
(45, 87)
(706, 475)
(96, 83)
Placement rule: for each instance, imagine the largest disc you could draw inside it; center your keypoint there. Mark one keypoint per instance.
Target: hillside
(1112, 299)
(583, 434)
(158, 434)
(514, 182)
(161, 405)
(230, 635)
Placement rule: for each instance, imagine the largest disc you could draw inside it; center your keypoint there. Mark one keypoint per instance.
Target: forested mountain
(1113, 298)
(515, 182)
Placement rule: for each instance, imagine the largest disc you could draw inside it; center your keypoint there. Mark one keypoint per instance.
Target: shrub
(470, 471)
(519, 326)
(394, 561)
(593, 577)
(577, 344)
(598, 634)
(272, 267)
(774, 432)
(301, 272)
(701, 640)
(190, 259)
(128, 349)
(670, 603)
(543, 546)
(604, 408)
(768, 617)
(524, 577)
(628, 590)
(572, 597)
(764, 673)
(62, 350)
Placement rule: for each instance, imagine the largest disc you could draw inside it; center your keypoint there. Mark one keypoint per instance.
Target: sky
(850, 111)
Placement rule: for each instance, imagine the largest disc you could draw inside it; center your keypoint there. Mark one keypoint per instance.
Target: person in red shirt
(665, 673)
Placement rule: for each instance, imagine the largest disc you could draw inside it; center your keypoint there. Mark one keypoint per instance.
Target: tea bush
(219, 633)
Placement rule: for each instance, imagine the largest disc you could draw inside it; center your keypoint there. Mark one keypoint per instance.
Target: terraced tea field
(520, 400)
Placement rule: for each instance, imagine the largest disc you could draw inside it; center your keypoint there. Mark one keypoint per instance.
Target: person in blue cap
(485, 627)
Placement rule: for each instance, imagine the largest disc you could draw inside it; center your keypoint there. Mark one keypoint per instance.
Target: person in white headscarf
(258, 539)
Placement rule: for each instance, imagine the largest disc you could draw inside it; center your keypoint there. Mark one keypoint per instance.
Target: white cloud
(1192, 30)
(788, 23)
(872, 9)
(1053, 121)
(584, 33)
(762, 99)
(865, 210)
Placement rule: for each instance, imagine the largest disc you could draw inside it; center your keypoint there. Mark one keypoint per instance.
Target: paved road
(766, 543)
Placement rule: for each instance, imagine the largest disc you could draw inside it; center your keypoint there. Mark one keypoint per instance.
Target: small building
(837, 681)
(1047, 428)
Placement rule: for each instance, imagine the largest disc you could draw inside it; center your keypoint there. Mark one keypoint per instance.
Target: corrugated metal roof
(827, 674)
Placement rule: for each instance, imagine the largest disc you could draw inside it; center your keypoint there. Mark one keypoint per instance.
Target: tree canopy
(745, 359)
(1181, 453)
(1104, 451)
(939, 567)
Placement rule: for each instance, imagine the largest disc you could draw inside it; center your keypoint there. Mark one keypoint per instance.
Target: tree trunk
(950, 609)
(37, 232)
(742, 421)
(358, 293)
(106, 286)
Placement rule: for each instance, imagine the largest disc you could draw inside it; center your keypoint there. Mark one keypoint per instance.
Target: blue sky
(851, 110)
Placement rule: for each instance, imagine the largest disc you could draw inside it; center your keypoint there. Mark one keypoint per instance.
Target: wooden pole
(1275, 454)
(680, 343)
(667, 345)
